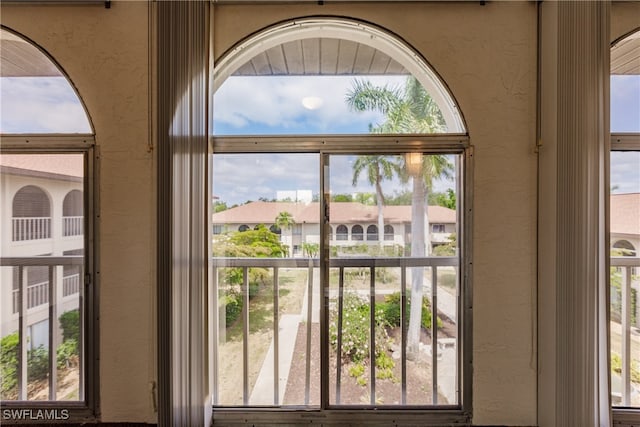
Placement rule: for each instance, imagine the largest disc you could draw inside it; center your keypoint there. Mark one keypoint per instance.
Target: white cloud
(40, 105)
(625, 171)
(243, 102)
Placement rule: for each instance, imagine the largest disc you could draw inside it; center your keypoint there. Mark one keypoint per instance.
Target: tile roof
(625, 213)
(69, 165)
(341, 212)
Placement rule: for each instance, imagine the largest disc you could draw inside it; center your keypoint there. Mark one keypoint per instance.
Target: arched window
(31, 214)
(624, 226)
(243, 227)
(625, 248)
(275, 229)
(49, 144)
(372, 233)
(342, 232)
(289, 113)
(388, 232)
(72, 214)
(357, 232)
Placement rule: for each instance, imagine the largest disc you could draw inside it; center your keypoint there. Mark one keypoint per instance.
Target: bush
(67, 353)
(391, 311)
(355, 329)
(233, 307)
(70, 324)
(8, 365)
(38, 364)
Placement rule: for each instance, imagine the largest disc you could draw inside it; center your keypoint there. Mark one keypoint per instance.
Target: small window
(388, 232)
(357, 232)
(243, 227)
(437, 228)
(342, 233)
(372, 233)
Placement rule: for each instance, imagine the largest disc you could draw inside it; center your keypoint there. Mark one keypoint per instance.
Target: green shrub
(391, 310)
(355, 328)
(38, 363)
(67, 353)
(70, 324)
(233, 307)
(8, 365)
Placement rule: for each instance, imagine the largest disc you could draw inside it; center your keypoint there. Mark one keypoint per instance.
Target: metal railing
(38, 294)
(72, 225)
(54, 265)
(626, 266)
(368, 263)
(31, 228)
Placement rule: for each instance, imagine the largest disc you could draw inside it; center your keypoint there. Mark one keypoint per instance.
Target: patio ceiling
(321, 56)
(625, 55)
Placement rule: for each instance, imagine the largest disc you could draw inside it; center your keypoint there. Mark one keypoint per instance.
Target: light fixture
(312, 102)
(414, 163)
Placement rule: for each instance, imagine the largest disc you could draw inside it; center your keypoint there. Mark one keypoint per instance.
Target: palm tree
(284, 220)
(378, 168)
(409, 109)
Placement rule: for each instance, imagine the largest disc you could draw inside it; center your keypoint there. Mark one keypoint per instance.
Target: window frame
(85, 410)
(625, 141)
(458, 144)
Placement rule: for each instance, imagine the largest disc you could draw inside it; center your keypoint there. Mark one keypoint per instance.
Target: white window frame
(623, 142)
(362, 144)
(86, 409)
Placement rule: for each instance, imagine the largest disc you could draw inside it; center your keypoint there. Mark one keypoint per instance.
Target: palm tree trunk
(380, 215)
(417, 273)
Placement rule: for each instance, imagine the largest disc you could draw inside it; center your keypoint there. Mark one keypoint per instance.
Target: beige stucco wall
(486, 55)
(105, 54)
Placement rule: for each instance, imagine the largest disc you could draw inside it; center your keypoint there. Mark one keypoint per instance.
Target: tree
(377, 169)
(284, 221)
(408, 109)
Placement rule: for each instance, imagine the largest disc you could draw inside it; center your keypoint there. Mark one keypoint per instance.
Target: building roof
(625, 213)
(341, 212)
(43, 165)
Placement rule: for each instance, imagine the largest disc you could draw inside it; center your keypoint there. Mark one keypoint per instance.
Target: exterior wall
(105, 53)
(56, 246)
(487, 57)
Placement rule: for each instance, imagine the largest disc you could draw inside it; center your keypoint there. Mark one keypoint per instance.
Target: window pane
(625, 278)
(374, 360)
(267, 283)
(312, 104)
(43, 234)
(625, 103)
(35, 97)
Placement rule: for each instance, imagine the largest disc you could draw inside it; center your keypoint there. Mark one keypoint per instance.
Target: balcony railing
(72, 225)
(27, 296)
(629, 332)
(31, 228)
(335, 297)
(38, 294)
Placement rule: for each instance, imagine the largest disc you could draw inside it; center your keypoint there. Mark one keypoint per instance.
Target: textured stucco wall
(105, 54)
(487, 57)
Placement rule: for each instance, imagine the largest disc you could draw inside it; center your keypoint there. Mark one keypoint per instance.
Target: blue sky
(280, 105)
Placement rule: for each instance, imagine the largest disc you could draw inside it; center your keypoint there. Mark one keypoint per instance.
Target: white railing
(629, 333)
(26, 297)
(72, 225)
(31, 228)
(70, 285)
(340, 264)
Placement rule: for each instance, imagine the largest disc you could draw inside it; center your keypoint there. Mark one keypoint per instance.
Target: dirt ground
(387, 391)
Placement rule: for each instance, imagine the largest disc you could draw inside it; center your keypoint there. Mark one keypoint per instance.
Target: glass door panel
(393, 221)
(265, 279)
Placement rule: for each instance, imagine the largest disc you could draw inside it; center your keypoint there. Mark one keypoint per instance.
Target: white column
(582, 391)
